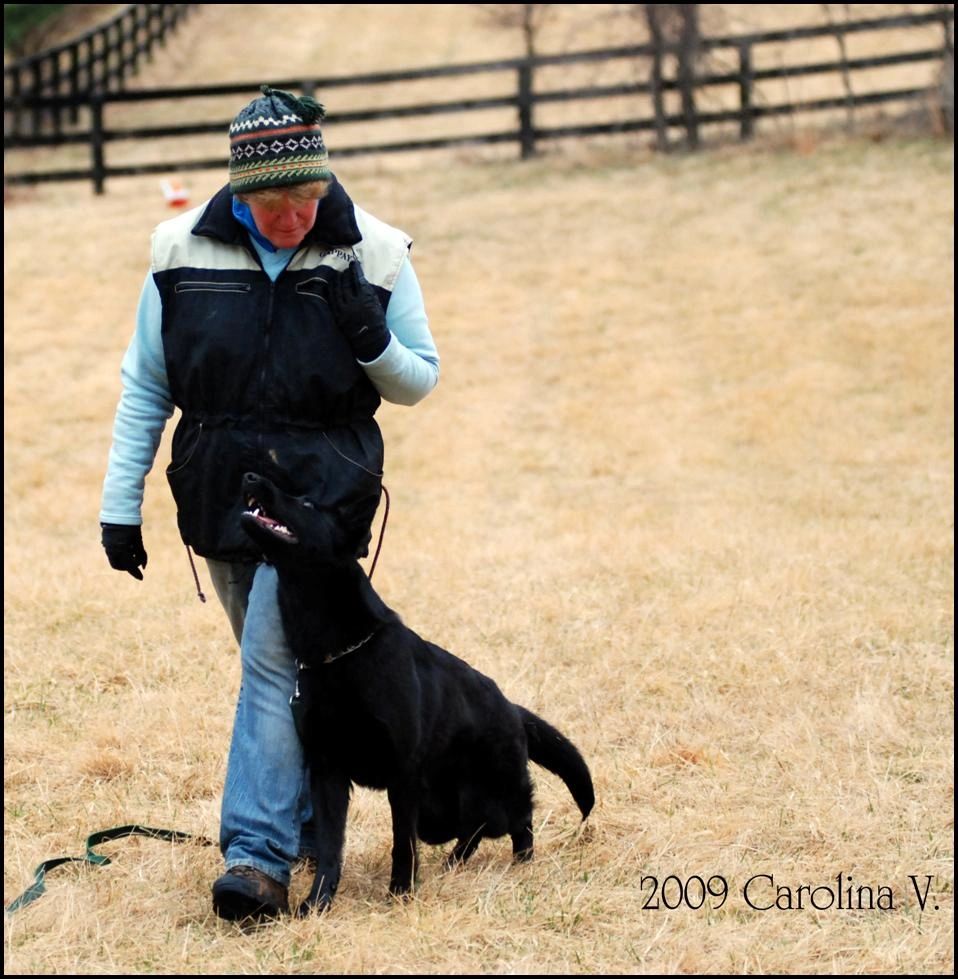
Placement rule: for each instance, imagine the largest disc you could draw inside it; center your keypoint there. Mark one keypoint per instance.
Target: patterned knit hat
(276, 141)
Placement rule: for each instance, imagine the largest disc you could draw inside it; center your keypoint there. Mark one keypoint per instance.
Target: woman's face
(284, 222)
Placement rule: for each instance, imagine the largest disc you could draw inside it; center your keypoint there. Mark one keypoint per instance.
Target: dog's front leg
(330, 796)
(404, 803)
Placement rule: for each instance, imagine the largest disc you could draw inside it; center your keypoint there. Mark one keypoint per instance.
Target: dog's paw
(400, 892)
(452, 862)
(318, 901)
(320, 905)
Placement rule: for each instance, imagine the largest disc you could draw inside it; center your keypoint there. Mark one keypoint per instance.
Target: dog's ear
(355, 519)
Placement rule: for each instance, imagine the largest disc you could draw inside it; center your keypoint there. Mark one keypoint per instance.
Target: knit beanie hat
(276, 141)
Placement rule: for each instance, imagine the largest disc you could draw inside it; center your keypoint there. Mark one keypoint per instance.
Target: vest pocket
(205, 478)
(211, 287)
(182, 455)
(315, 288)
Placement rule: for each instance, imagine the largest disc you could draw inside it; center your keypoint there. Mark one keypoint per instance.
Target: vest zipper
(267, 336)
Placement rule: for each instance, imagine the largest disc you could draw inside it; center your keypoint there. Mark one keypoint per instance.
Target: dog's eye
(309, 504)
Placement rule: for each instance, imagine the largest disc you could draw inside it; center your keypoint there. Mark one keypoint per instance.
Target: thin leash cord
(382, 533)
(342, 455)
(196, 577)
(377, 475)
(38, 887)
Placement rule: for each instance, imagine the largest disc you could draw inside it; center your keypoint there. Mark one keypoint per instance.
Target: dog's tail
(556, 753)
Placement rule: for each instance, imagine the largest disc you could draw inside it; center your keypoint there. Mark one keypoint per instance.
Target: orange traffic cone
(175, 193)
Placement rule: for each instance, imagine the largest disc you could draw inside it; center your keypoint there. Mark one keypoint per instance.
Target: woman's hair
(312, 190)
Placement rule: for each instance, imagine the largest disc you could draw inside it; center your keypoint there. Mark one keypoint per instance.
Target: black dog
(388, 710)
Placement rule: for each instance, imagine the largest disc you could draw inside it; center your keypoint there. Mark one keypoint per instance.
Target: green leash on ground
(38, 887)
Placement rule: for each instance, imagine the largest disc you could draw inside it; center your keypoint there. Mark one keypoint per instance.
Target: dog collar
(297, 705)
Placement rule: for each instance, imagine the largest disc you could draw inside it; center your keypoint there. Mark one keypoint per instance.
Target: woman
(276, 316)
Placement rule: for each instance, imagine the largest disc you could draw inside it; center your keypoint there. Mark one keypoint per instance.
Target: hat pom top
(306, 107)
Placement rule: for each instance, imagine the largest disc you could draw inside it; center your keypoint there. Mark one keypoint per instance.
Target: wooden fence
(100, 60)
(523, 100)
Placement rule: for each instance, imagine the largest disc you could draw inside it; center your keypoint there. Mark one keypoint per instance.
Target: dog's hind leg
(465, 848)
(520, 828)
(519, 808)
(522, 844)
(404, 803)
(330, 797)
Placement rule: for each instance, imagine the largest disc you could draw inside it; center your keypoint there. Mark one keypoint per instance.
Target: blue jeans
(265, 799)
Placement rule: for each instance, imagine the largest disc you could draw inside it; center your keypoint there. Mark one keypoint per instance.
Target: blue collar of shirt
(274, 259)
(243, 214)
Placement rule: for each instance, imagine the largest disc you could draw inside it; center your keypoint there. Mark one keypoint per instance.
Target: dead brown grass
(685, 487)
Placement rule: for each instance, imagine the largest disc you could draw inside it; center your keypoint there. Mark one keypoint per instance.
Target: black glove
(124, 548)
(358, 313)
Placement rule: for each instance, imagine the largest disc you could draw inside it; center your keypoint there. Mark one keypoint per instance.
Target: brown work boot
(244, 893)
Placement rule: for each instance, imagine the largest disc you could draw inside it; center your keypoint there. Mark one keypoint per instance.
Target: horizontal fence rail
(522, 100)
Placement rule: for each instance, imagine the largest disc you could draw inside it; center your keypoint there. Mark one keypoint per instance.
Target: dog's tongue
(270, 524)
(274, 524)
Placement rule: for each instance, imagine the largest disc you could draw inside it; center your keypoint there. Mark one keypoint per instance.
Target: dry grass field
(685, 488)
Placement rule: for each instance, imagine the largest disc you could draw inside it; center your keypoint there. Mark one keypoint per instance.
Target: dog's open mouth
(256, 511)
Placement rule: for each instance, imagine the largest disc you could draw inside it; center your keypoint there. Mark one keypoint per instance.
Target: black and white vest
(264, 379)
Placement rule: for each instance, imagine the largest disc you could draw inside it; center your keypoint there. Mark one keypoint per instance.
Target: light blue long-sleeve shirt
(405, 372)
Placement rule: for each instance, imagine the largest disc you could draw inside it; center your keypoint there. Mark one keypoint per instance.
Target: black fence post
(16, 92)
(652, 16)
(947, 83)
(87, 45)
(122, 60)
(36, 87)
(163, 22)
(130, 25)
(745, 83)
(147, 24)
(97, 164)
(99, 70)
(527, 134)
(55, 109)
(115, 40)
(74, 82)
(687, 55)
(106, 71)
(112, 74)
